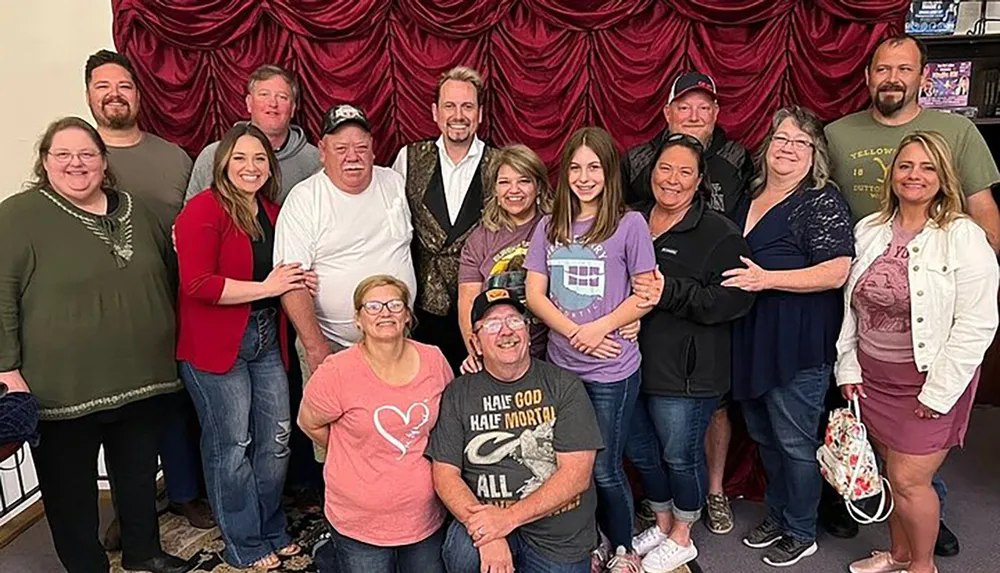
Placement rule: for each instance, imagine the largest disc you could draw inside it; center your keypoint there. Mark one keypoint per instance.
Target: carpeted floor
(973, 512)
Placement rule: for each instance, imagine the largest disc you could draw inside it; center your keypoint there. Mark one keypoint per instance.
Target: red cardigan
(210, 249)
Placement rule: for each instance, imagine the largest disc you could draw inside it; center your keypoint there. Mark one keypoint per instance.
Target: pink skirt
(892, 390)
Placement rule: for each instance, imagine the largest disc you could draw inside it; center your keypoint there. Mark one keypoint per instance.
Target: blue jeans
(672, 429)
(614, 403)
(348, 555)
(941, 489)
(461, 556)
(644, 450)
(785, 424)
(245, 428)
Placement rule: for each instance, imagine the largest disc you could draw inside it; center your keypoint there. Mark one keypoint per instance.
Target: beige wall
(43, 47)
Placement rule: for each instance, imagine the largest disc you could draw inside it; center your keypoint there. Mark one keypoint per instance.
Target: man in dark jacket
(693, 108)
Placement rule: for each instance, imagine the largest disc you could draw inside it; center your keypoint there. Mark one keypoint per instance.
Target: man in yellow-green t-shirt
(862, 144)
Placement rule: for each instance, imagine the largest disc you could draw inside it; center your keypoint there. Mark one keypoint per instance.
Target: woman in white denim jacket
(920, 310)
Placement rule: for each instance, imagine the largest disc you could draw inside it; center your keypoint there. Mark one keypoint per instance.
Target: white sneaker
(668, 556)
(648, 540)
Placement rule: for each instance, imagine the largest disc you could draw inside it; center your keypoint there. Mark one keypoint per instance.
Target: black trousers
(66, 464)
(443, 332)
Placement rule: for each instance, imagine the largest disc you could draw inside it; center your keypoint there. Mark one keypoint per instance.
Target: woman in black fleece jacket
(685, 345)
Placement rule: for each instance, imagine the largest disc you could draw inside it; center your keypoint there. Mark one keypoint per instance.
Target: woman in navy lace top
(799, 230)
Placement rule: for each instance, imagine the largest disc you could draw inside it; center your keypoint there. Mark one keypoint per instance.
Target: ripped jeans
(245, 426)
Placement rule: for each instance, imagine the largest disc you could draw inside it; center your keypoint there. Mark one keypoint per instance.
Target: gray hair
(807, 121)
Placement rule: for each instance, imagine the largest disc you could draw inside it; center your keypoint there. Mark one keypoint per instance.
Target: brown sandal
(289, 550)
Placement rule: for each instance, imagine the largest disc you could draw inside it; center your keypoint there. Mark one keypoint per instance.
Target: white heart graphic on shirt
(407, 421)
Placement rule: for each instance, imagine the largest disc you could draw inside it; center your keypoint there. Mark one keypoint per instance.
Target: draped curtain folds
(550, 66)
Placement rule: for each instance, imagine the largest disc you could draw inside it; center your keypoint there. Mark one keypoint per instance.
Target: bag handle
(882, 513)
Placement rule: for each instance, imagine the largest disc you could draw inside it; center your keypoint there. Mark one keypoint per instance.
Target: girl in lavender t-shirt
(580, 262)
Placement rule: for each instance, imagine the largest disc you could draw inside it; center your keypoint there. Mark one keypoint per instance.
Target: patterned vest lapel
(437, 244)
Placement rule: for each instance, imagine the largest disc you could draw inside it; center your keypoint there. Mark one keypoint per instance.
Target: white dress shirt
(346, 238)
(456, 176)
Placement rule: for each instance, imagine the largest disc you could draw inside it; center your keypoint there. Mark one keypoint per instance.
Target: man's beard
(887, 107)
(468, 131)
(125, 120)
(121, 122)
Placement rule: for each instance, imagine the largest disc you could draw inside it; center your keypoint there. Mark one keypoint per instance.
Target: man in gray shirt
(272, 94)
(155, 171)
(513, 455)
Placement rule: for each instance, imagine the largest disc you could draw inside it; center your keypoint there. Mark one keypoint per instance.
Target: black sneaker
(764, 535)
(947, 543)
(789, 551)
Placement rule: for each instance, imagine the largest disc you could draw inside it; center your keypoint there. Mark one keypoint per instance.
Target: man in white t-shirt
(346, 222)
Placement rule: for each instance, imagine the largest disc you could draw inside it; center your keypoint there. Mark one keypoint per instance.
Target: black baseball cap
(343, 113)
(490, 298)
(691, 81)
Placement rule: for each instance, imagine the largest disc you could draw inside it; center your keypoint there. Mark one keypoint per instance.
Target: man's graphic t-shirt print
(870, 169)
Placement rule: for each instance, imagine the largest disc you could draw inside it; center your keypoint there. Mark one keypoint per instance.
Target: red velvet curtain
(550, 66)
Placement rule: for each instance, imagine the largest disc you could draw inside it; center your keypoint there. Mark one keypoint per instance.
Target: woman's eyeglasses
(493, 325)
(798, 144)
(63, 157)
(374, 307)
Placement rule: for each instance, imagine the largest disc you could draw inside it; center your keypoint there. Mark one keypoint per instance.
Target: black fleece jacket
(685, 340)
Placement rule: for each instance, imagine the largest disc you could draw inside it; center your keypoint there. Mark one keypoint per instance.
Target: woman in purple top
(580, 262)
(494, 253)
(921, 312)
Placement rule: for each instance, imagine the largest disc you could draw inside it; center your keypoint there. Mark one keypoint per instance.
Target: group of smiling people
(609, 333)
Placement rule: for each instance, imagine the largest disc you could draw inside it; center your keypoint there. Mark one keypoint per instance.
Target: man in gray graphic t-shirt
(513, 453)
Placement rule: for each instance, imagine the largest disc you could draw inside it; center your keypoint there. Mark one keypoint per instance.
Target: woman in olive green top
(87, 324)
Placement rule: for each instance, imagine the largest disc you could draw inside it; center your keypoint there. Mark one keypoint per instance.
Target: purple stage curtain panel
(550, 67)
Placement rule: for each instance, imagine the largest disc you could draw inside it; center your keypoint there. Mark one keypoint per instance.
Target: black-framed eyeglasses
(493, 325)
(799, 144)
(374, 307)
(689, 139)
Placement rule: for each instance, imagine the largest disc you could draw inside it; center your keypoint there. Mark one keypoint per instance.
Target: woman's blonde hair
(233, 200)
(948, 203)
(376, 281)
(611, 206)
(525, 162)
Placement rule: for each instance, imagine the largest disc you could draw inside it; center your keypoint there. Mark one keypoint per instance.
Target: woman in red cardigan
(229, 314)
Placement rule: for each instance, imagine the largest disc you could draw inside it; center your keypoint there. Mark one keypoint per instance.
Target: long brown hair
(948, 203)
(525, 162)
(611, 206)
(40, 177)
(233, 200)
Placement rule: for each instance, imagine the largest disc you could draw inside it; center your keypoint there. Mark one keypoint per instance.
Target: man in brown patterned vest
(444, 186)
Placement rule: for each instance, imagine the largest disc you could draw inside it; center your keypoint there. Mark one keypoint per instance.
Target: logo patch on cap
(347, 112)
(496, 294)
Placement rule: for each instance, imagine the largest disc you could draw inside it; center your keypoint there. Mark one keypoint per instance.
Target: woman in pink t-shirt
(372, 407)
